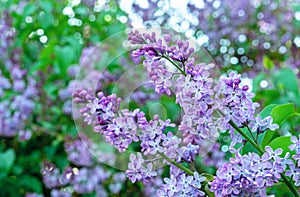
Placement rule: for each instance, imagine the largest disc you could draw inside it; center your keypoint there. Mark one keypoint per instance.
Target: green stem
(172, 62)
(290, 185)
(257, 147)
(251, 134)
(186, 170)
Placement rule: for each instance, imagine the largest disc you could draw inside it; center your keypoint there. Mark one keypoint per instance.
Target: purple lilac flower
(294, 172)
(261, 125)
(98, 110)
(296, 144)
(88, 180)
(193, 87)
(249, 174)
(152, 136)
(122, 131)
(154, 51)
(180, 184)
(139, 170)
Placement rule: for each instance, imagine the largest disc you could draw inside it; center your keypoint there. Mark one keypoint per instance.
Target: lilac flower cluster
(209, 106)
(88, 176)
(249, 174)
(234, 101)
(179, 184)
(17, 90)
(195, 92)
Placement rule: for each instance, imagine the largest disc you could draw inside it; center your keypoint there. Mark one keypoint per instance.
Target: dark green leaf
(267, 110)
(279, 114)
(282, 142)
(7, 159)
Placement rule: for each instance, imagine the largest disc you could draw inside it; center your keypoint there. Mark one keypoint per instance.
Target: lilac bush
(209, 106)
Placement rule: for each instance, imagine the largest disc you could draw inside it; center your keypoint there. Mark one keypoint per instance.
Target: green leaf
(7, 159)
(208, 192)
(282, 142)
(31, 183)
(267, 110)
(288, 79)
(64, 56)
(268, 63)
(279, 114)
(47, 6)
(29, 9)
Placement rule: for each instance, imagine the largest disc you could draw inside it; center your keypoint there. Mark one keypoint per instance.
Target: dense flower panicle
(152, 136)
(194, 94)
(98, 110)
(234, 101)
(118, 128)
(139, 169)
(122, 131)
(249, 174)
(156, 51)
(180, 184)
